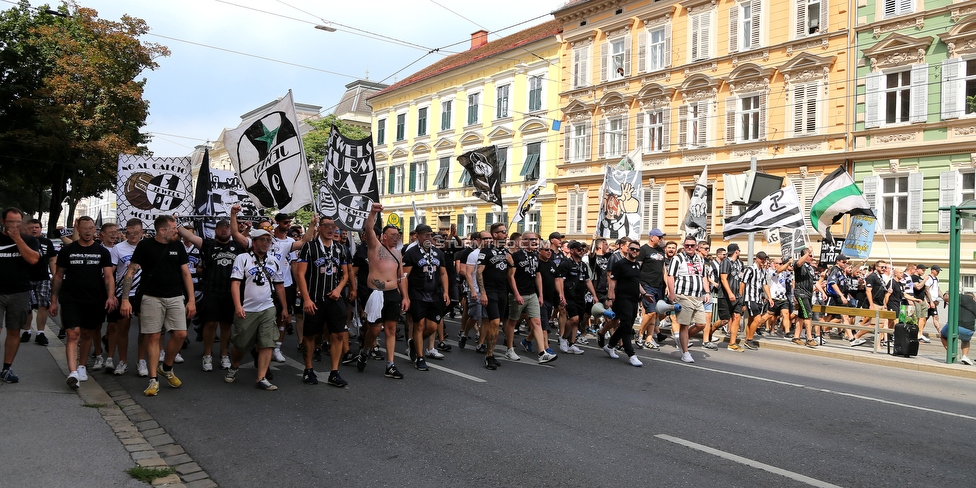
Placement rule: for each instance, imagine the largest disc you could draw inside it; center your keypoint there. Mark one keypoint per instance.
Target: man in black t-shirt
(165, 281)
(730, 277)
(877, 293)
(84, 287)
(40, 281)
(217, 256)
(525, 296)
(18, 253)
(805, 281)
(428, 288)
(492, 278)
(651, 259)
(576, 293)
(625, 291)
(547, 271)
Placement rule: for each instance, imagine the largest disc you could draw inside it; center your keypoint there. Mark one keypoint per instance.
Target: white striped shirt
(688, 273)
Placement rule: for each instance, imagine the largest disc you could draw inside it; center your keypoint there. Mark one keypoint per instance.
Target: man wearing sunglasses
(688, 287)
(623, 294)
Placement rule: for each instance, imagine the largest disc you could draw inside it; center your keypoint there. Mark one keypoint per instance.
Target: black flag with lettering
(485, 173)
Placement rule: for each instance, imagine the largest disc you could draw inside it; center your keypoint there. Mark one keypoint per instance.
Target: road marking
(447, 370)
(748, 462)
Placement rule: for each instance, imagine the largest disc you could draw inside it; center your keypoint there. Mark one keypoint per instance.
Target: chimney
(479, 38)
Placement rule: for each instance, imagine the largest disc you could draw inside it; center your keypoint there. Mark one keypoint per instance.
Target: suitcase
(905, 341)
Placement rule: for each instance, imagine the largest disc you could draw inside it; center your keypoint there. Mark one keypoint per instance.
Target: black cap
(423, 229)
(842, 257)
(921, 266)
(281, 216)
(223, 223)
(733, 248)
(936, 267)
(576, 245)
(556, 235)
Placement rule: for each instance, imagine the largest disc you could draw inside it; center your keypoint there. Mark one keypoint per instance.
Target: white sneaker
(574, 350)
(652, 344)
(109, 365)
(610, 352)
(510, 354)
(435, 354)
(208, 363)
(142, 368)
(178, 359)
(686, 357)
(162, 356)
(277, 356)
(636, 362)
(924, 339)
(224, 362)
(965, 360)
(546, 356)
(99, 363)
(82, 373)
(73, 380)
(563, 345)
(121, 368)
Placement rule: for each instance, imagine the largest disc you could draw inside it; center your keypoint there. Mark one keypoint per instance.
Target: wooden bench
(877, 315)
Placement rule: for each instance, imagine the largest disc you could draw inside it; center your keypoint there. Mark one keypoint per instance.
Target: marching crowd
(245, 284)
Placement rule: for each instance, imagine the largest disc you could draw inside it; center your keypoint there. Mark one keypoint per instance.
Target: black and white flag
(348, 187)
(482, 166)
(149, 187)
(696, 221)
(528, 199)
(778, 209)
(269, 157)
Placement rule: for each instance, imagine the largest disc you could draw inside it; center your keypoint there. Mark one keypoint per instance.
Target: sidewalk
(55, 436)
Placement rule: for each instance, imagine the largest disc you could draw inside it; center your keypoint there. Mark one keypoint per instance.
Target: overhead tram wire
(455, 13)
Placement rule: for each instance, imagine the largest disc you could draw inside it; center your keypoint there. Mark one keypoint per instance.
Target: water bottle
(903, 315)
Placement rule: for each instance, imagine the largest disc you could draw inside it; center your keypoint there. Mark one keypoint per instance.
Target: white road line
(447, 370)
(748, 462)
(676, 362)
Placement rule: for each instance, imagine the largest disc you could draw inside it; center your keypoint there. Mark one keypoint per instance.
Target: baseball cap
(281, 216)
(842, 257)
(733, 248)
(556, 235)
(921, 266)
(576, 245)
(255, 233)
(655, 232)
(423, 229)
(223, 223)
(935, 267)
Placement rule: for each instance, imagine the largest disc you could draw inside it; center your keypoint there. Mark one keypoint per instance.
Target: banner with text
(149, 187)
(348, 188)
(860, 237)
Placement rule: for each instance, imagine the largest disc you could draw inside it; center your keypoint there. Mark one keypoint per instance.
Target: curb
(146, 442)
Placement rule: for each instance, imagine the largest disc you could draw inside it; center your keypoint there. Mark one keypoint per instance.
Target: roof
(505, 44)
(354, 99)
(570, 3)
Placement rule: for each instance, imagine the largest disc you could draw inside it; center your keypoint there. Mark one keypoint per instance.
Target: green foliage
(70, 98)
(147, 475)
(971, 104)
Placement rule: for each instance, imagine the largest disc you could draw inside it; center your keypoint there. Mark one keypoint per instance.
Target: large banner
(696, 221)
(348, 187)
(150, 187)
(482, 166)
(778, 209)
(268, 155)
(860, 237)
(830, 249)
(621, 202)
(791, 242)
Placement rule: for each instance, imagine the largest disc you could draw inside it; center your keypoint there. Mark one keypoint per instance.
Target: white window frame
(807, 21)
(954, 80)
(578, 142)
(381, 181)
(894, 8)
(955, 187)
(654, 207)
(613, 137)
(447, 114)
(537, 79)
(654, 130)
(615, 54)
(581, 70)
(654, 54)
(805, 188)
(739, 118)
(532, 221)
(693, 122)
(475, 108)
(876, 90)
(503, 95)
(421, 174)
(576, 212)
(745, 26)
(804, 109)
(700, 36)
(398, 179)
(875, 194)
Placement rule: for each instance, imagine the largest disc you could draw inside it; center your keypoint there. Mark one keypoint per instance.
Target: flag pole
(301, 148)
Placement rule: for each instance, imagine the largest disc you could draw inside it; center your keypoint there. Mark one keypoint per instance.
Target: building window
(442, 180)
(745, 20)
(805, 190)
(653, 130)
(578, 142)
(958, 87)
(535, 93)
(659, 48)
(380, 132)
(422, 122)
(531, 222)
(811, 17)
(613, 137)
(805, 108)
(750, 126)
(380, 179)
(894, 8)
(401, 130)
(693, 124)
(576, 212)
(701, 32)
(398, 180)
(501, 102)
(467, 224)
(581, 70)
(615, 59)
(446, 114)
(420, 178)
(654, 207)
(473, 103)
(493, 217)
(501, 157)
(894, 202)
(896, 97)
(533, 155)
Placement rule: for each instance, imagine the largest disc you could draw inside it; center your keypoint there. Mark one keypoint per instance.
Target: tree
(316, 142)
(70, 99)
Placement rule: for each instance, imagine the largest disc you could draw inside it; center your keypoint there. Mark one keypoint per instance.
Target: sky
(229, 57)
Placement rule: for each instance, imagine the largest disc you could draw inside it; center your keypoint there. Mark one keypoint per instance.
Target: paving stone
(132, 440)
(153, 462)
(159, 440)
(126, 402)
(140, 417)
(178, 459)
(170, 450)
(141, 446)
(204, 483)
(188, 468)
(199, 475)
(144, 455)
(129, 434)
(167, 480)
(116, 393)
(152, 432)
(147, 425)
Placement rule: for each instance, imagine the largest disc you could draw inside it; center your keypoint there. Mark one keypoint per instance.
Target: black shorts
(804, 307)
(291, 294)
(724, 309)
(497, 305)
(933, 312)
(576, 308)
(329, 314)
(755, 308)
(780, 306)
(545, 313)
(391, 304)
(217, 307)
(88, 316)
(115, 316)
(736, 307)
(433, 311)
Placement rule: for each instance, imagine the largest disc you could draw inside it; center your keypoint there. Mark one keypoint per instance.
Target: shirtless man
(387, 290)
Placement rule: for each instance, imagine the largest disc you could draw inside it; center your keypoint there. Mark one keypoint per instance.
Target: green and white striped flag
(837, 195)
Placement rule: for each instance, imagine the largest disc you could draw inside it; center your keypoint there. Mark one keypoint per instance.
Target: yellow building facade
(503, 93)
(696, 83)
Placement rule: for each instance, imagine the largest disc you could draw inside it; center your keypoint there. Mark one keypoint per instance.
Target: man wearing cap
(526, 296)
(427, 286)
(730, 276)
(572, 285)
(217, 307)
(920, 295)
(651, 259)
(754, 293)
(933, 298)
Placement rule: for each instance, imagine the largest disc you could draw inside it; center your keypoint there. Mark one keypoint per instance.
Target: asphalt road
(759, 418)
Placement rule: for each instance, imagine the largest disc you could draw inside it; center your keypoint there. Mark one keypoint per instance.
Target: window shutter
(952, 106)
(805, 188)
(906, 6)
(602, 135)
(871, 184)
(916, 183)
(812, 125)
(889, 8)
(624, 124)
(920, 93)
(704, 37)
(628, 49)
(763, 111)
(799, 101)
(665, 128)
(639, 130)
(667, 45)
(413, 223)
(950, 183)
(392, 181)
(734, 28)
(800, 28)
(683, 126)
(872, 99)
(696, 28)
(460, 227)
(703, 116)
(571, 205)
(568, 142)
(505, 218)
(489, 219)
(584, 66)
(642, 52)
(824, 16)
(604, 48)
(413, 177)
(576, 68)
(756, 34)
(587, 140)
(731, 103)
